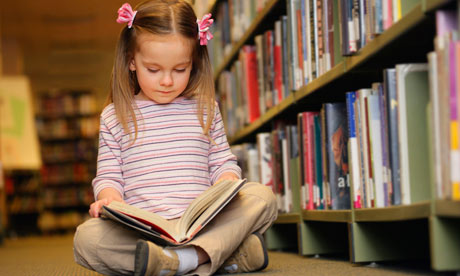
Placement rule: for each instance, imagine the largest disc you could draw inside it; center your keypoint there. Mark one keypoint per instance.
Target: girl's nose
(166, 80)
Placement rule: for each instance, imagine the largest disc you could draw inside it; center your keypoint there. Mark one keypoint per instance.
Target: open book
(164, 232)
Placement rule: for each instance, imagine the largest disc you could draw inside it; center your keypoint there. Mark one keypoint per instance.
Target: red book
(278, 63)
(308, 158)
(249, 60)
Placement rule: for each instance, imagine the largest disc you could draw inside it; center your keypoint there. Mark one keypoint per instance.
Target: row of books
(273, 162)
(68, 128)
(69, 151)
(66, 103)
(66, 174)
(377, 142)
(232, 19)
(24, 204)
(301, 46)
(444, 68)
(68, 197)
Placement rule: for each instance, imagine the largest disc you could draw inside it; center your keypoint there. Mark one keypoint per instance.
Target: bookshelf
(427, 228)
(68, 129)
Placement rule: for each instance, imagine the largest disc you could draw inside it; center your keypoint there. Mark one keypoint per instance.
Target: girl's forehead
(144, 39)
(171, 46)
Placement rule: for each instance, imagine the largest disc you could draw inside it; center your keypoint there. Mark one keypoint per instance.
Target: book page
(146, 217)
(206, 206)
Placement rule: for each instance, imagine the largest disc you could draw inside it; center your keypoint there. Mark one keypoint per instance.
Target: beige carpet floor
(52, 255)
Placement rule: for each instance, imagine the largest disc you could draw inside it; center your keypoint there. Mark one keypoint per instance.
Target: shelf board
(448, 208)
(410, 20)
(431, 5)
(288, 218)
(337, 71)
(394, 213)
(327, 215)
(265, 118)
(246, 36)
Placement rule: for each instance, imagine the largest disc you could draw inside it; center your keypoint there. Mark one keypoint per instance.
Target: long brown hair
(161, 17)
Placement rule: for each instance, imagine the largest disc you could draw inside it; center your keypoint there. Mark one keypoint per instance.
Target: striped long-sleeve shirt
(171, 162)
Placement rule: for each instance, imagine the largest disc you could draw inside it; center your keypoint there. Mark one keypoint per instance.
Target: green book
(413, 98)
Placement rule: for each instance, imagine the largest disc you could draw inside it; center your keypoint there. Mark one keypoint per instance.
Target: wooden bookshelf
(394, 213)
(288, 218)
(447, 208)
(68, 125)
(431, 5)
(427, 228)
(245, 38)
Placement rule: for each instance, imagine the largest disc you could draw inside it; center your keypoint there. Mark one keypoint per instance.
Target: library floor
(52, 255)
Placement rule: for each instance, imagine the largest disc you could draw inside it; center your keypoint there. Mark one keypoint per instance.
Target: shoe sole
(141, 258)
(262, 241)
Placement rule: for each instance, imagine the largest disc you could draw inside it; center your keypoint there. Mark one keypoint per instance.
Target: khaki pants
(108, 248)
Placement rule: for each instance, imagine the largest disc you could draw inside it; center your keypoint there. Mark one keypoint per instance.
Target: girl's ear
(132, 65)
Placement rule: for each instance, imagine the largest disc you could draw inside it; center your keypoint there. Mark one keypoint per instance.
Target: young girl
(162, 143)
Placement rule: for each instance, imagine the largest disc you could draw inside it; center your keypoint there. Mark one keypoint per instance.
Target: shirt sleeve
(109, 164)
(221, 159)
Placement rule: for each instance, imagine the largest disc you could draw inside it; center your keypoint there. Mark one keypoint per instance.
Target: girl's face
(162, 64)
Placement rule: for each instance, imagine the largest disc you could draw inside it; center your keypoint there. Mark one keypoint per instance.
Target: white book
(376, 149)
(264, 146)
(436, 121)
(286, 181)
(369, 185)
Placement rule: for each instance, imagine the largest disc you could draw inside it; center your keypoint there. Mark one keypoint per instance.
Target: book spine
(392, 107)
(456, 184)
(278, 64)
(387, 186)
(303, 187)
(318, 191)
(353, 150)
(401, 71)
(285, 56)
(376, 146)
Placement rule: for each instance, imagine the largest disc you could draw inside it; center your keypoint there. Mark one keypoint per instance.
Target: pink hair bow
(126, 15)
(203, 29)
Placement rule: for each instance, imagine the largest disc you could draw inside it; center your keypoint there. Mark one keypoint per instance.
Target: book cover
(413, 97)
(337, 154)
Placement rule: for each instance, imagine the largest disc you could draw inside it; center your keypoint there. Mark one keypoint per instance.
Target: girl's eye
(180, 70)
(152, 70)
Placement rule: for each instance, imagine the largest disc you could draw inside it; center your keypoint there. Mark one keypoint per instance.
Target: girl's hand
(95, 207)
(227, 176)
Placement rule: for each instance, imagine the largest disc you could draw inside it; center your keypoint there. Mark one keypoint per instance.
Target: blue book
(353, 151)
